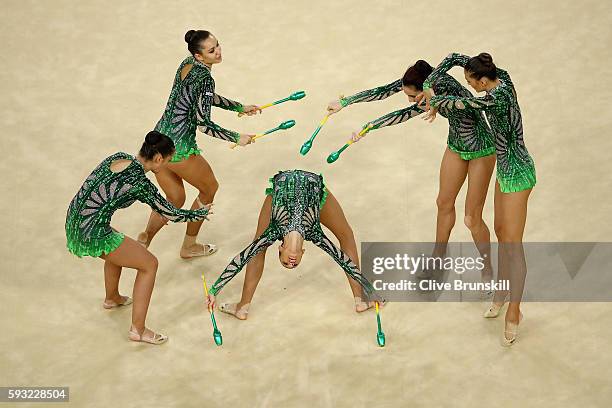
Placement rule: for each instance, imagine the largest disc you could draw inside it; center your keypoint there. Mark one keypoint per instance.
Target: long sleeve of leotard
(398, 116)
(226, 103)
(374, 94)
(451, 103)
(147, 193)
(347, 265)
(452, 60)
(261, 243)
(205, 100)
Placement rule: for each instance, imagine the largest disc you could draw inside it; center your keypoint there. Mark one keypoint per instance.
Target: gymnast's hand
(355, 137)
(210, 212)
(245, 139)
(210, 301)
(333, 107)
(251, 110)
(427, 94)
(430, 115)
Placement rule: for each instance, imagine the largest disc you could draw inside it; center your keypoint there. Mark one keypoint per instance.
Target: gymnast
(297, 203)
(117, 183)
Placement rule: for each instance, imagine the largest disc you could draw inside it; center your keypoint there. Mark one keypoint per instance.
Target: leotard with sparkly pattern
(468, 133)
(297, 197)
(88, 230)
(189, 107)
(515, 167)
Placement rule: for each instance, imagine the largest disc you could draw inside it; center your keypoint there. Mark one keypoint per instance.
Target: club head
(306, 148)
(333, 157)
(218, 338)
(297, 95)
(380, 338)
(287, 124)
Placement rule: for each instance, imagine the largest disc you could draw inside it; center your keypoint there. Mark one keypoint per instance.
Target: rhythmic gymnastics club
(334, 156)
(216, 333)
(293, 97)
(380, 336)
(308, 144)
(285, 125)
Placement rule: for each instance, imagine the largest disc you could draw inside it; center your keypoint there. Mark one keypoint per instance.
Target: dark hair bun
(189, 35)
(485, 58)
(481, 66)
(153, 137)
(193, 38)
(422, 67)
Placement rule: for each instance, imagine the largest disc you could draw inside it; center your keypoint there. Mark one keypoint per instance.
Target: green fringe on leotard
(325, 192)
(94, 247)
(473, 155)
(270, 189)
(524, 180)
(184, 154)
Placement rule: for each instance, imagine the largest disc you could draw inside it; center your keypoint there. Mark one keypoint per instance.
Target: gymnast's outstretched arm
(374, 94)
(147, 193)
(226, 103)
(398, 116)
(267, 238)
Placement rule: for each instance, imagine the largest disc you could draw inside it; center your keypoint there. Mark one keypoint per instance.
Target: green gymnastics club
(293, 97)
(334, 155)
(216, 333)
(285, 125)
(380, 336)
(308, 144)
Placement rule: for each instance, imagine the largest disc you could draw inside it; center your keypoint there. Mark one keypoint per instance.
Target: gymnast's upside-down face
(289, 256)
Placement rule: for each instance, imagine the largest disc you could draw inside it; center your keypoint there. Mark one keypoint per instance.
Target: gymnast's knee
(445, 205)
(177, 198)
(151, 264)
(210, 188)
(473, 222)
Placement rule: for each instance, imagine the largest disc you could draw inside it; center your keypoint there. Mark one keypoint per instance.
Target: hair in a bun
(153, 137)
(193, 38)
(481, 66)
(156, 142)
(485, 58)
(417, 74)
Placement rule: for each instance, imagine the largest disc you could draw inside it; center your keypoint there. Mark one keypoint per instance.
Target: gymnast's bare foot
(239, 311)
(361, 306)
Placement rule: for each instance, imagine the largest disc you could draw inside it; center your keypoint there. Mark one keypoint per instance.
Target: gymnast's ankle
(189, 241)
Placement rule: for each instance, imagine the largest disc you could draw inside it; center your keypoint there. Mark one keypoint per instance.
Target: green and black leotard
(88, 230)
(297, 197)
(468, 133)
(189, 108)
(515, 167)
